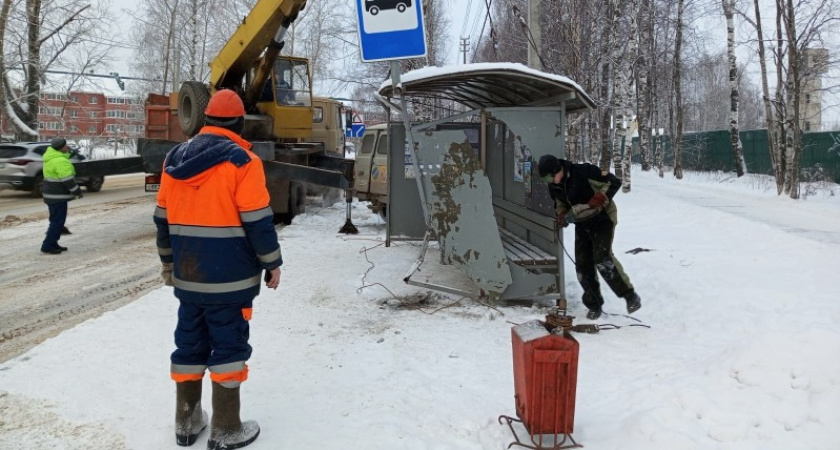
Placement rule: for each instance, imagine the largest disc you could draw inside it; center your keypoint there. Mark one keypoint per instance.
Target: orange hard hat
(225, 103)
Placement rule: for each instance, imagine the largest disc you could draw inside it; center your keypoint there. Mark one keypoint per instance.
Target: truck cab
(327, 125)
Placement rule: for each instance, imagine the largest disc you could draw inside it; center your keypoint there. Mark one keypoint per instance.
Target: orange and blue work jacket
(213, 219)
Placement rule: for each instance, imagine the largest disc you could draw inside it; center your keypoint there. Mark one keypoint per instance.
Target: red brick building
(86, 115)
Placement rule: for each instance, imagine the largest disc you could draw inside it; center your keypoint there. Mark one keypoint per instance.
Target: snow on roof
(492, 84)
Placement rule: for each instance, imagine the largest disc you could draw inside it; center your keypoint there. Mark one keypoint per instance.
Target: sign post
(390, 30)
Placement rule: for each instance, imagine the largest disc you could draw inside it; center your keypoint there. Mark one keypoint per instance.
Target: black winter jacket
(579, 184)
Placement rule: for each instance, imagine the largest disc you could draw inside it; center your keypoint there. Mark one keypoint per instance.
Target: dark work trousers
(593, 250)
(211, 335)
(58, 215)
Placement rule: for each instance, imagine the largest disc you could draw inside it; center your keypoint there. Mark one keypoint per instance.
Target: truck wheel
(192, 101)
(297, 198)
(401, 7)
(286, 218)
(94, 184)
(374, 11)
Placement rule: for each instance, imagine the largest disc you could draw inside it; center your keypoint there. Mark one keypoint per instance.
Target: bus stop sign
(390, 29)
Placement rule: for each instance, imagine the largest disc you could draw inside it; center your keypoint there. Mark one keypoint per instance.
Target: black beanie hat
(235, 124)
(58, 143)
(549, 165)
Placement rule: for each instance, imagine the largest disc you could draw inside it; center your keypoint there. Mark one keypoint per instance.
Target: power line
(466, 18)
(530, 37)
(487, 18)
(476, 19)
(114, 75)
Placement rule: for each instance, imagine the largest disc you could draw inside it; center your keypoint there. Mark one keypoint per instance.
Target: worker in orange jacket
(215, 237)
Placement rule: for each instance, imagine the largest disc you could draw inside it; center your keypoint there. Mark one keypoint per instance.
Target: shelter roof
(486, 85)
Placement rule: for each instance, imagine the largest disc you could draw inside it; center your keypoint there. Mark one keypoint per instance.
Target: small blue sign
(356, 130)
(391, 29)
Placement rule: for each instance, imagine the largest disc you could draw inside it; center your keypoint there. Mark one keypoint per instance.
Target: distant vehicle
(22, 166)
(370, 177)
(374, 6)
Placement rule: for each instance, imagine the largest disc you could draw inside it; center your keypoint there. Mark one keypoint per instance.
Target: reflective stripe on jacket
(213, 218)
(59, 177)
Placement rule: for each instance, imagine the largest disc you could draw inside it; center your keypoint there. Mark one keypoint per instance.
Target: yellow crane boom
(260, 33)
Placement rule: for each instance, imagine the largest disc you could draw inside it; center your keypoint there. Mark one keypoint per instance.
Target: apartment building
(82, 115)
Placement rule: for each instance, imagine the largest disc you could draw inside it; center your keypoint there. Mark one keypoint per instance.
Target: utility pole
(535, 30)
(465, 46)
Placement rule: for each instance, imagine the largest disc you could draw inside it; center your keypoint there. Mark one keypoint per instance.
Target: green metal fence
(711, 151)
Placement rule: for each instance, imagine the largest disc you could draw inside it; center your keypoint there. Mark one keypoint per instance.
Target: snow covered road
(111, 261)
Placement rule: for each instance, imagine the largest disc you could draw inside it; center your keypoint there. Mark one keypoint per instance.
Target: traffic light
(120, 82)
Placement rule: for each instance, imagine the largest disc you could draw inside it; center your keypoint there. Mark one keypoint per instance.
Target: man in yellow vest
(59, 188)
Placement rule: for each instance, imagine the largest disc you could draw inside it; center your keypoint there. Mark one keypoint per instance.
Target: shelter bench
(515, 221)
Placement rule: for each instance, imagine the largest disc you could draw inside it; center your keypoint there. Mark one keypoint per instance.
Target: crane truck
(299, 137)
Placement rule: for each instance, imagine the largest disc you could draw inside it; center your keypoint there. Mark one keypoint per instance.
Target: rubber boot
(634, 302)
(226, 430)
(593, 314)
(190, 419)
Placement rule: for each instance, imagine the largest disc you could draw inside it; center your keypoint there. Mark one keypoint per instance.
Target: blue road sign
(357, 130)
(391, 29)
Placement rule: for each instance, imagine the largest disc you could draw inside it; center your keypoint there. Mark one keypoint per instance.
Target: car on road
(22, 167)
(374, 6)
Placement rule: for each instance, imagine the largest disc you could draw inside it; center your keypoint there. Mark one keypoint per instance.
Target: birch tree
(678, 127)
(608, 43)
(734, 137)
(793, 84)
(641, 69)
(769, 113)
(629, 123)
(802, 28)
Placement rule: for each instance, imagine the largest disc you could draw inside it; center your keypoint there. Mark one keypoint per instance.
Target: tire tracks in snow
(112, 260)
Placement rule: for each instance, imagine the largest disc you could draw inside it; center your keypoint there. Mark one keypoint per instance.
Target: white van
(371, 168)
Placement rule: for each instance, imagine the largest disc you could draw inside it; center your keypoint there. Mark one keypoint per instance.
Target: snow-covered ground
(738, 288)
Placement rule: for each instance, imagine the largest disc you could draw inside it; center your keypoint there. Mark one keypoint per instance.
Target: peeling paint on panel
(458, 169)
(460, 205)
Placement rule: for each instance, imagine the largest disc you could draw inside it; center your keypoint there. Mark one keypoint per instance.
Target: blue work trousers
(212, 335)
(58, 215)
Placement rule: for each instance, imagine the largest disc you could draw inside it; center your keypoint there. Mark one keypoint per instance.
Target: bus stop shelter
(474, 173)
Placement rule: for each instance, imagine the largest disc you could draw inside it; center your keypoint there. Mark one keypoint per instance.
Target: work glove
(598, 200)
(166, 273)
(79, 194)
(561, 221)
